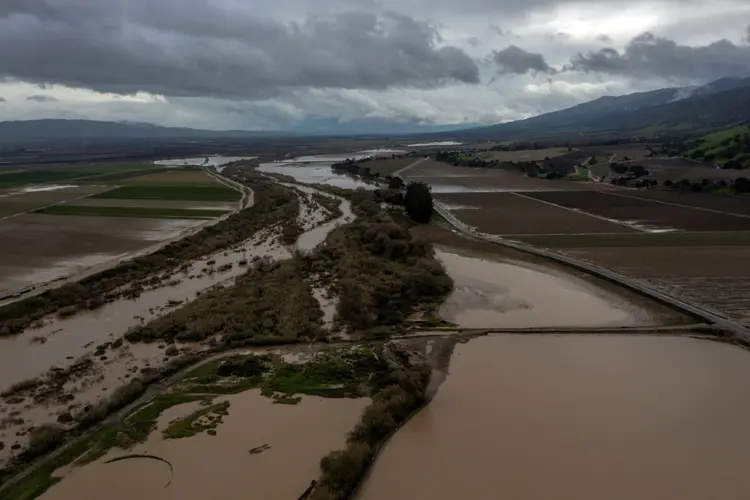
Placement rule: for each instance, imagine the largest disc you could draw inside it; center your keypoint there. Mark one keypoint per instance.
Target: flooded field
(512, 294)
(315, 174)
(39, 248)
(584, 417)
(290, 439)
(214, 161)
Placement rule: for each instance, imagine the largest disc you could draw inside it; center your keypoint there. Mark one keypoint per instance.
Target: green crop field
(150, 213)
(86, 173)
(174, 192)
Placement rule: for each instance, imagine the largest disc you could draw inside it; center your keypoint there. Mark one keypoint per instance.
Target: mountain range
(681, 110)
(718, 104)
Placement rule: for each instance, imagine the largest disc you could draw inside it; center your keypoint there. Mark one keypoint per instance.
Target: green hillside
(729, 147)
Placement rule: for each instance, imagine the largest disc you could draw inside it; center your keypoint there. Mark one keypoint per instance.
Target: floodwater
(21, 357)
(577, 417)
(214, 161)
(317, 234)
(221, 466)
(442, 143)
(512, 294)
(315, 174)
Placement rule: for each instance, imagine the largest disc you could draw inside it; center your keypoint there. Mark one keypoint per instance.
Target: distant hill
(96, 130)
(729, 147)
(677, 109)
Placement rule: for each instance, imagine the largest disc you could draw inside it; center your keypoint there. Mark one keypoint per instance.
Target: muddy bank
(577, 417)
(204, 465)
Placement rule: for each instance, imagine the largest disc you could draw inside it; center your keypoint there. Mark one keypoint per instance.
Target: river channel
(577, 417)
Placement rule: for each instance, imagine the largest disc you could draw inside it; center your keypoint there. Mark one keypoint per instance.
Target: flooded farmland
(512, 294)
(290, 440)
(315, 173)
(573, 416)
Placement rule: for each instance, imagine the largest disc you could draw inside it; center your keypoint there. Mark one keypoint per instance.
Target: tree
(418, 202)
(742, 185)
(396, 183)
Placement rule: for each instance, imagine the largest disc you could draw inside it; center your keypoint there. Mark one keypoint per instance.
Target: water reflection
(577, 417)
(315, 174)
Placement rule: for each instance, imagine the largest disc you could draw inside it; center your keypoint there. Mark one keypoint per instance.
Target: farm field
(645, 213)
(189, 176)
(446, 178)
(65, 173)
(716, 277)
(24, 200)
(216, 192)
(97, 214)
(676, 169)
(387, 166)
(144, 212)
(38, 248)
(692, 245)
(511, 213)
(524, 154)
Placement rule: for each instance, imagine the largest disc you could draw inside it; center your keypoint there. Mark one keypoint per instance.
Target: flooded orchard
(512, 294)
(260, 450)
(577, 416)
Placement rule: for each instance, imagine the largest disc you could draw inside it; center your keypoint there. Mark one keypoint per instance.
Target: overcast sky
(275, 64)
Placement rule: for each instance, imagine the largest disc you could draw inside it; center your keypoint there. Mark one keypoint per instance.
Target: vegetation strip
(172, 192)
(154, 213)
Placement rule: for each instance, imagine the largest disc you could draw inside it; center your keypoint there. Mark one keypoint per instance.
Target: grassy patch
(150, 213)
(187, 193)
(200, 420)
(61, 173)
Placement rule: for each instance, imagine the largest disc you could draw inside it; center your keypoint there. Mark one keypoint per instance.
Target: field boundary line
(713, 210)
(579, 211)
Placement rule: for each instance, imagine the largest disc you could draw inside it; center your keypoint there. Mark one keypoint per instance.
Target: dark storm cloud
(514, 60)
(41, 98)
(648, 55)
(217, 48)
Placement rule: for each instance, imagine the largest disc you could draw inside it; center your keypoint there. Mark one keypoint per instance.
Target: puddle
(508, 294)
(577, 417)
(297, 437)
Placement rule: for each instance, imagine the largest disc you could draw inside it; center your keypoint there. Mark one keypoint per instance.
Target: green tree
(396, 183)
(418, 202)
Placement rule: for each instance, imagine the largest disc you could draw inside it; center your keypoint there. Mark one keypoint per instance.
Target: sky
(292, 64)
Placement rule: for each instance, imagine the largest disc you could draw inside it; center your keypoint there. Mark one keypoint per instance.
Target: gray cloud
(649, 55)
(41, 98)
(3, 99)
(515, 60)
(747, 35)
(218, 48)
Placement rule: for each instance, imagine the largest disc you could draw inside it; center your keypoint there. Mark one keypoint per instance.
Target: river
(573, 416)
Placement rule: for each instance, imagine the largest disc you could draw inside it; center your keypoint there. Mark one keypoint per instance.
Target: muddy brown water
(513, 294)
(577, 417)
(221, 466)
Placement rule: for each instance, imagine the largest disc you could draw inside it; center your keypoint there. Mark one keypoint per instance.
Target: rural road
(683, 305)
(398, 172)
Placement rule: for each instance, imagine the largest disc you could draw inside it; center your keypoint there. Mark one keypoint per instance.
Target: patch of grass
(173, 192)
(140, 423)
(200, 420)
(151, 213)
